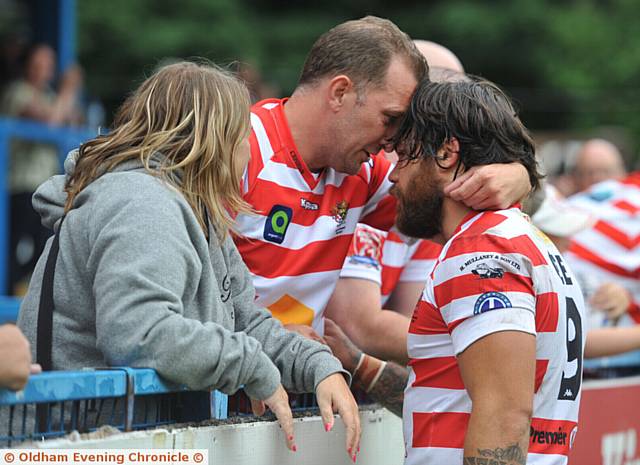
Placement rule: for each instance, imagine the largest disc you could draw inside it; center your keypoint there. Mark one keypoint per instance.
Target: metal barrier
(126, 398)
(9, 307)
(64, 138)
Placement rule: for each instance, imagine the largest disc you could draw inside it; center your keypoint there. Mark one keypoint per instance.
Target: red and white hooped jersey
(496, 273)
(296, 244)
(609, 251)
(388, 259)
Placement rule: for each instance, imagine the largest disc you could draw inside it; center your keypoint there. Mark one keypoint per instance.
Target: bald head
(597, 160)
(439, 58)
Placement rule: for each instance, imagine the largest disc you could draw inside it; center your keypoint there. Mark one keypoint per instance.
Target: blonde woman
(146, 273)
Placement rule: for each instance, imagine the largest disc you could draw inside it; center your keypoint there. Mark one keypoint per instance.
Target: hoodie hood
(49, 199)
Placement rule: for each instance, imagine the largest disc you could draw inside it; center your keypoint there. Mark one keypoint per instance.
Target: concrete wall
(262, 443)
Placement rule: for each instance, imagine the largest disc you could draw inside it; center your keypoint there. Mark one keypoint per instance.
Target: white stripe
(429, 345)
(298, 236)
(460, 265)
(429, 399)
(395, 254)
(433, 456)
(417, 270)
(285, 176)
(381, 193)
(464, 307)
(313, 289)
(546, 459)
(263, 140)
(269, 106)
(609, 250)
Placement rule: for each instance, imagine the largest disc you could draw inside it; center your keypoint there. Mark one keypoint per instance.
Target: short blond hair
(195, 116)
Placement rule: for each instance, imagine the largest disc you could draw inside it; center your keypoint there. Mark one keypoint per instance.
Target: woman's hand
(334, 395)
(278, 403)
(490, 187)
(612, 299)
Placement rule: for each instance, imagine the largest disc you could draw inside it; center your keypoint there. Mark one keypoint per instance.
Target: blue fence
(55, 403)
(63, 138)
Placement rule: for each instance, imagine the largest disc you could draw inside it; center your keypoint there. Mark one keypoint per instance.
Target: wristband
(368, 371)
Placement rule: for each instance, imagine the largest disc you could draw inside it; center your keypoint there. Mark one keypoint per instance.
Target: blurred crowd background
(572, 66)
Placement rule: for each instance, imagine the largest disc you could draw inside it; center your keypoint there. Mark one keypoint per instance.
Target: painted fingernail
(354, 458)
(290, 438)
(294, 448)
(358, 448)
(327, 427)
(349, 450)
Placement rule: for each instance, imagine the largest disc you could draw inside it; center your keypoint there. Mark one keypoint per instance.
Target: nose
(393, 176)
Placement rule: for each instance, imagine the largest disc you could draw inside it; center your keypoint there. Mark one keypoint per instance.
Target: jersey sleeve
(365, 253)
(484, 286)
(423, 257)
(380, 209)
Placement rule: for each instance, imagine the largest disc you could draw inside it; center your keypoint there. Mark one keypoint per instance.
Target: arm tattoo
(389, 390)
(512, 455)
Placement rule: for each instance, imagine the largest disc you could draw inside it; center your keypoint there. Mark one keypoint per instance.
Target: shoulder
(492, 244)
(134, 192)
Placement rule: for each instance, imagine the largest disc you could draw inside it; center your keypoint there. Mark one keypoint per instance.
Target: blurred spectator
(11, 49)
(258, 88)
(15, 358)
(31, 163)
(597, 160)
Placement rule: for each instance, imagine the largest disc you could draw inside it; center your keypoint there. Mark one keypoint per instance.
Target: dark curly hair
(475, 112)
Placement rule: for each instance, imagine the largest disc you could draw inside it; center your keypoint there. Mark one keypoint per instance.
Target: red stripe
(616, 235)
(439, 429)
(384, 214)
(427, 250)
(591, 257)
(265, 194)
(547, 312)
(470, 284)
(272, 261)
(255, 163)
(438, 372)
(541, 371)
(454, 324)
(550, 436)
(633, 179)
(490, 243)
(390, 277)
(394, 237)
(487, 221)
(448, 430)
(626, 206)
(427, 319)
(634, 312)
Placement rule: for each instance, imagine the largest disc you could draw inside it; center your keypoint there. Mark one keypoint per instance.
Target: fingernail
(354, 458)
(294, 448)
(349, 450)
(358, 448)
(290, 438)
(327, 427)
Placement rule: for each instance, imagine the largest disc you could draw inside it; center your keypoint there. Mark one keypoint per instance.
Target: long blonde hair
(195, 116)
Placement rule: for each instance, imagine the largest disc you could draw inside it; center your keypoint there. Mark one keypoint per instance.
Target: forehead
(398, 87)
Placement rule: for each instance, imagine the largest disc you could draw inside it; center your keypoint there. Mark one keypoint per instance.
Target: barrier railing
(125, 398)
(9, 307)
(63, 138)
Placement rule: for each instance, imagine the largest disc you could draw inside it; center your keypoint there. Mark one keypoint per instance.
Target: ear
(338, 91)
(449, 154)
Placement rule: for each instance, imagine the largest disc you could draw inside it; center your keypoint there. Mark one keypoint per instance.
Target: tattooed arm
(498, 372)
(388, 390)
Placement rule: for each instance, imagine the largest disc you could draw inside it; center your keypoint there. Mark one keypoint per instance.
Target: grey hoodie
(137, 284)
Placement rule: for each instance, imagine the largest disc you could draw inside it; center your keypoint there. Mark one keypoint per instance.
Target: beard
(419, 212)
